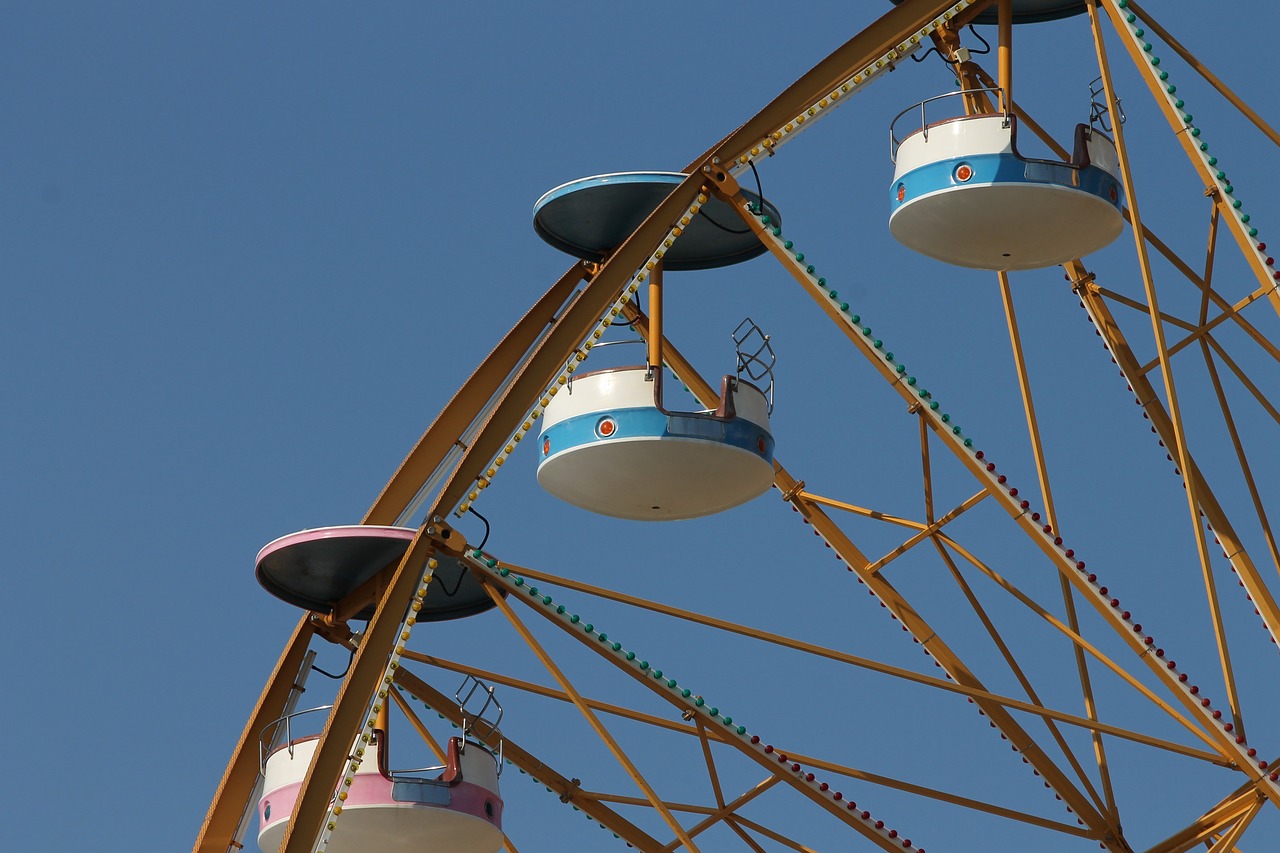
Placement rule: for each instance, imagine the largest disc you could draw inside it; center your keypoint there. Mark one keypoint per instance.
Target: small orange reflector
(546, 447)
(902, 191)
(606, 427)
(964, 172)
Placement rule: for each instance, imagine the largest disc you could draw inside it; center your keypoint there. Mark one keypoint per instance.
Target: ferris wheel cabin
(608, 443)
(607, 448)
(316, 569)
(453, 807)
(963, 194)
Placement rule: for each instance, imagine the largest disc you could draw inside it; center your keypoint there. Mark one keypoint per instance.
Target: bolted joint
(572, 788)
(1085, 282)
(338, 633)
(790, 494)
(720, 181)
(447, 539)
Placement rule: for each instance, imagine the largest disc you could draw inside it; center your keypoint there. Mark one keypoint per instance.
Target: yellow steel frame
(458, 450)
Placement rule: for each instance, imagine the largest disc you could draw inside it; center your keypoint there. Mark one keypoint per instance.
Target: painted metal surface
(961, 193)
(590, 217)
(606, 448)
(316, 569)
(465, 815)
(1034, 11)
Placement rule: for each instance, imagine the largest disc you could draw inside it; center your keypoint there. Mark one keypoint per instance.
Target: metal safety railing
(753, 347)
(923, 126)
(473, 691)
(270, 735)
(1099, 113)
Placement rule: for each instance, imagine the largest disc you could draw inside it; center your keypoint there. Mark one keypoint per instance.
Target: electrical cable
(342, 674)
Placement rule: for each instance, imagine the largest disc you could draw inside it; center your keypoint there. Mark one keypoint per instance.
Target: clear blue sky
(249, 250)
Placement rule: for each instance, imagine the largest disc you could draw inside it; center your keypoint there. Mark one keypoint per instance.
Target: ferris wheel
(1089, 676)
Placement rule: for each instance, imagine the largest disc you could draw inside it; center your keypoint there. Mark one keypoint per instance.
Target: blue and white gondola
(962, 194)
(607, 447)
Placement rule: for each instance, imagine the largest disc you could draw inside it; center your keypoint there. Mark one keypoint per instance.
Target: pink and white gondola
(455, 807)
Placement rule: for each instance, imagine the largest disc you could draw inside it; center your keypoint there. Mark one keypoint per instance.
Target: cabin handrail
(287, 719)
(895, 142)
